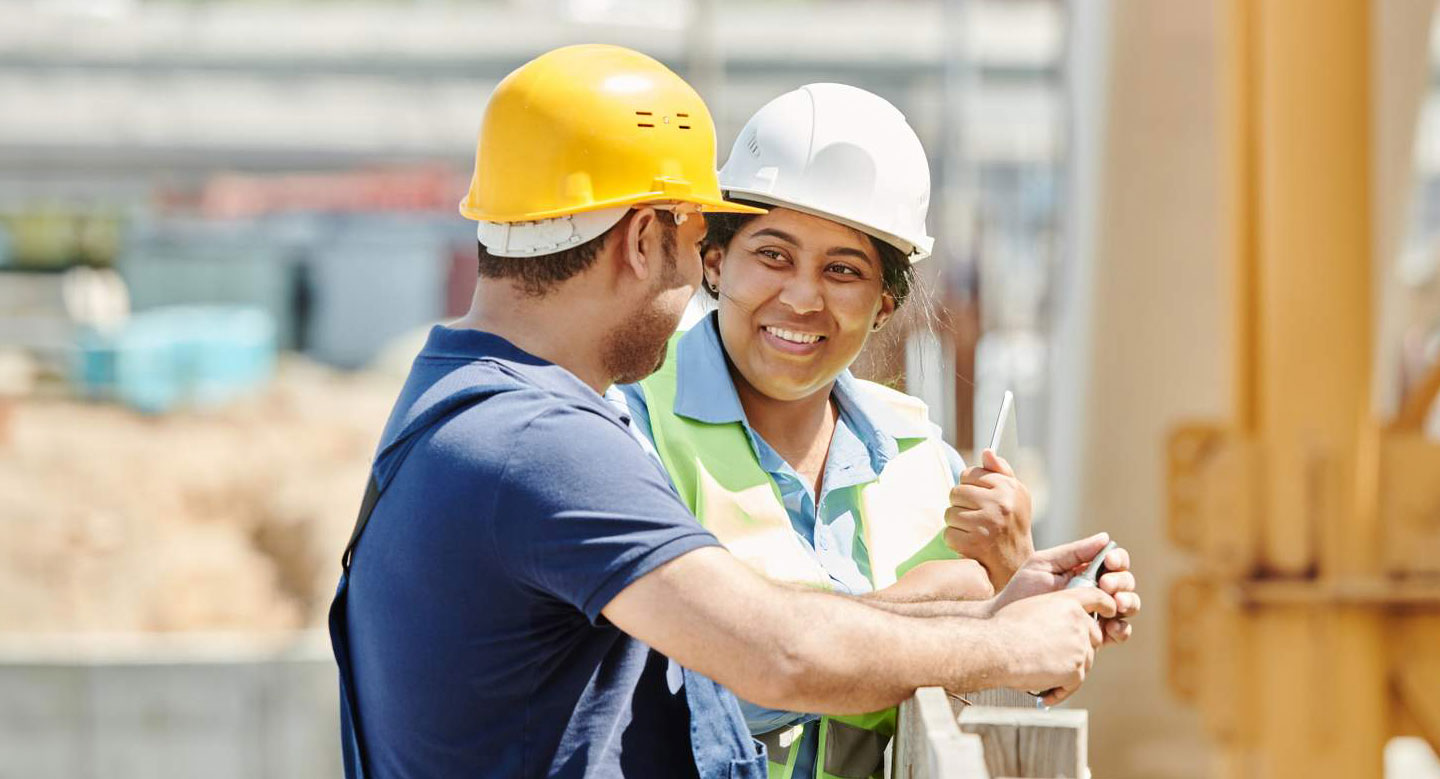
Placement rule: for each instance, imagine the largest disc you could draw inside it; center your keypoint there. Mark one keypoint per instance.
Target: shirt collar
(705, 392)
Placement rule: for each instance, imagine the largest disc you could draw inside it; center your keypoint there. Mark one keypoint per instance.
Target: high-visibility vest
(902, 516)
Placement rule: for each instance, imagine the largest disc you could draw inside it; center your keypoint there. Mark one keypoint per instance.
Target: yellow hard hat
(591, 127)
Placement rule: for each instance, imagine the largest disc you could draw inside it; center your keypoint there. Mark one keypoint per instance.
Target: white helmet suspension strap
(546, 236)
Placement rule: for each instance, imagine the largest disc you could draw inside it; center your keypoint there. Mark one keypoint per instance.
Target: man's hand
(989, 519)
(1052, 639)
(1051, 569)
(940, 580)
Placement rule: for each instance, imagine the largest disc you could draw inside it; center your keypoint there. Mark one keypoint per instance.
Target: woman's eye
(844, 270)
(773, 255)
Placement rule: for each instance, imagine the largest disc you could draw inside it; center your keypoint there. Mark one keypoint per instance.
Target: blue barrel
(180, 356)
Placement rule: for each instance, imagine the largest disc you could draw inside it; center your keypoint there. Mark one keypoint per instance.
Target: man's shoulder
(535, 420)
(477, 406)
(520, 406)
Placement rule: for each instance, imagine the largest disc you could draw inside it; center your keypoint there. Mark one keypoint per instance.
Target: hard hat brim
(706, 203)
(915, 251)
(718, 205)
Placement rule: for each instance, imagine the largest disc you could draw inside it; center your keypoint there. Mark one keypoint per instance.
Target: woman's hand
(989, 519)
(1051, 569)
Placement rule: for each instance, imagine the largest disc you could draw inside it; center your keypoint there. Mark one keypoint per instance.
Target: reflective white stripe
(546, 236)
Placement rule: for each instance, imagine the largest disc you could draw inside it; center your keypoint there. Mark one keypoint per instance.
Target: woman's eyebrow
(775, 233)
(849, 251)
(834, 251)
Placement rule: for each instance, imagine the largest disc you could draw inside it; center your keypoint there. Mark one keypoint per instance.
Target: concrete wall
(169, 711)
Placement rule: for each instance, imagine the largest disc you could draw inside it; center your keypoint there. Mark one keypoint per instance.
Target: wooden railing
(944, 737)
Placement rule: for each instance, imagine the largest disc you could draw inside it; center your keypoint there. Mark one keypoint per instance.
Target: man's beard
(636, 348)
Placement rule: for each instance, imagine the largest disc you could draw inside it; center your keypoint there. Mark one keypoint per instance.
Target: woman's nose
(801, 294)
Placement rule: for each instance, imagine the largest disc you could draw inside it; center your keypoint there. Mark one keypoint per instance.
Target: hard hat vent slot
(753, 144)
(648, 115)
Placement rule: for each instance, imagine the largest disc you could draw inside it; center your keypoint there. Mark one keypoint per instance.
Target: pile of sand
(221, 520)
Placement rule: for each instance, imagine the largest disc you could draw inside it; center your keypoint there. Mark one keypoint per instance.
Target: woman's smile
(792, 341)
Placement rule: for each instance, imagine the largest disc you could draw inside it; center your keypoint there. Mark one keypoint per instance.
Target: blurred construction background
(1199, 239)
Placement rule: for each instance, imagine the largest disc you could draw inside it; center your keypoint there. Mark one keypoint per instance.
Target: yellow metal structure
(588, 127)
(1309, 633)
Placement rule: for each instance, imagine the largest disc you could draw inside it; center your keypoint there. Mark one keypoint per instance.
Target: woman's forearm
(972, 609)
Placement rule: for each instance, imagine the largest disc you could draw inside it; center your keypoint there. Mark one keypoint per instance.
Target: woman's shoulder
(914, 410)
(893, 399)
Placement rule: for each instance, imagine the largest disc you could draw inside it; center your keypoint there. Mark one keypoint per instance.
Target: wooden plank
(929, 744)
(994, 697)
(1047, 744)
(1417, 673)
(1410, 502)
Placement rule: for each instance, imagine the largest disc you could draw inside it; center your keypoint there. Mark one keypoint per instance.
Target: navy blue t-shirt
(474, 627)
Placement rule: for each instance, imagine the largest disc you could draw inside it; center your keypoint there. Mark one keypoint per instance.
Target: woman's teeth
(792, 336)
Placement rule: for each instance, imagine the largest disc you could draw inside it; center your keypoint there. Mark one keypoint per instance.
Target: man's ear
(710, 263)
(887, 310)
(641, 249)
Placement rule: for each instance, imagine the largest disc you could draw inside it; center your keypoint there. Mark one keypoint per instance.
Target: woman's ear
(711, 261)
(887, 310)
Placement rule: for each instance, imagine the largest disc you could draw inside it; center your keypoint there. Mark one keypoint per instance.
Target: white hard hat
(838, 152)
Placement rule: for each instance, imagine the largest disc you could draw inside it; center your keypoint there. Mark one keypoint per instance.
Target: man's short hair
(536, 277)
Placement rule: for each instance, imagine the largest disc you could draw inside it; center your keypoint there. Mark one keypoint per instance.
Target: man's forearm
(806, 650)
(851, 655)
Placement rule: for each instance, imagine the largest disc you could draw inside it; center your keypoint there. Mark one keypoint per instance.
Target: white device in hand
(1002, 439)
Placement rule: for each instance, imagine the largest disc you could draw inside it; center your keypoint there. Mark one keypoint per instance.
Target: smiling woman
(805, 472)
(813, 289)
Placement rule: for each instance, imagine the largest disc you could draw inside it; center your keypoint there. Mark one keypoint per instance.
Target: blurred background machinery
(1309, 631)
(1199, 240)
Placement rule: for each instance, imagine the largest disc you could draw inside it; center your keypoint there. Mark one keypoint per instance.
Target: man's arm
(1046, 571)
(817, 651)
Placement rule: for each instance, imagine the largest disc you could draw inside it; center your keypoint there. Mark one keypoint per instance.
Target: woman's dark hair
(896, 270)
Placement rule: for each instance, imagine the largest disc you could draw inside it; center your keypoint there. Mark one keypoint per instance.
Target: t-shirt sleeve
(585, 512)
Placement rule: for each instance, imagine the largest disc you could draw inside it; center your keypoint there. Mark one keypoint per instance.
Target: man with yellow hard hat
(524, 594)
